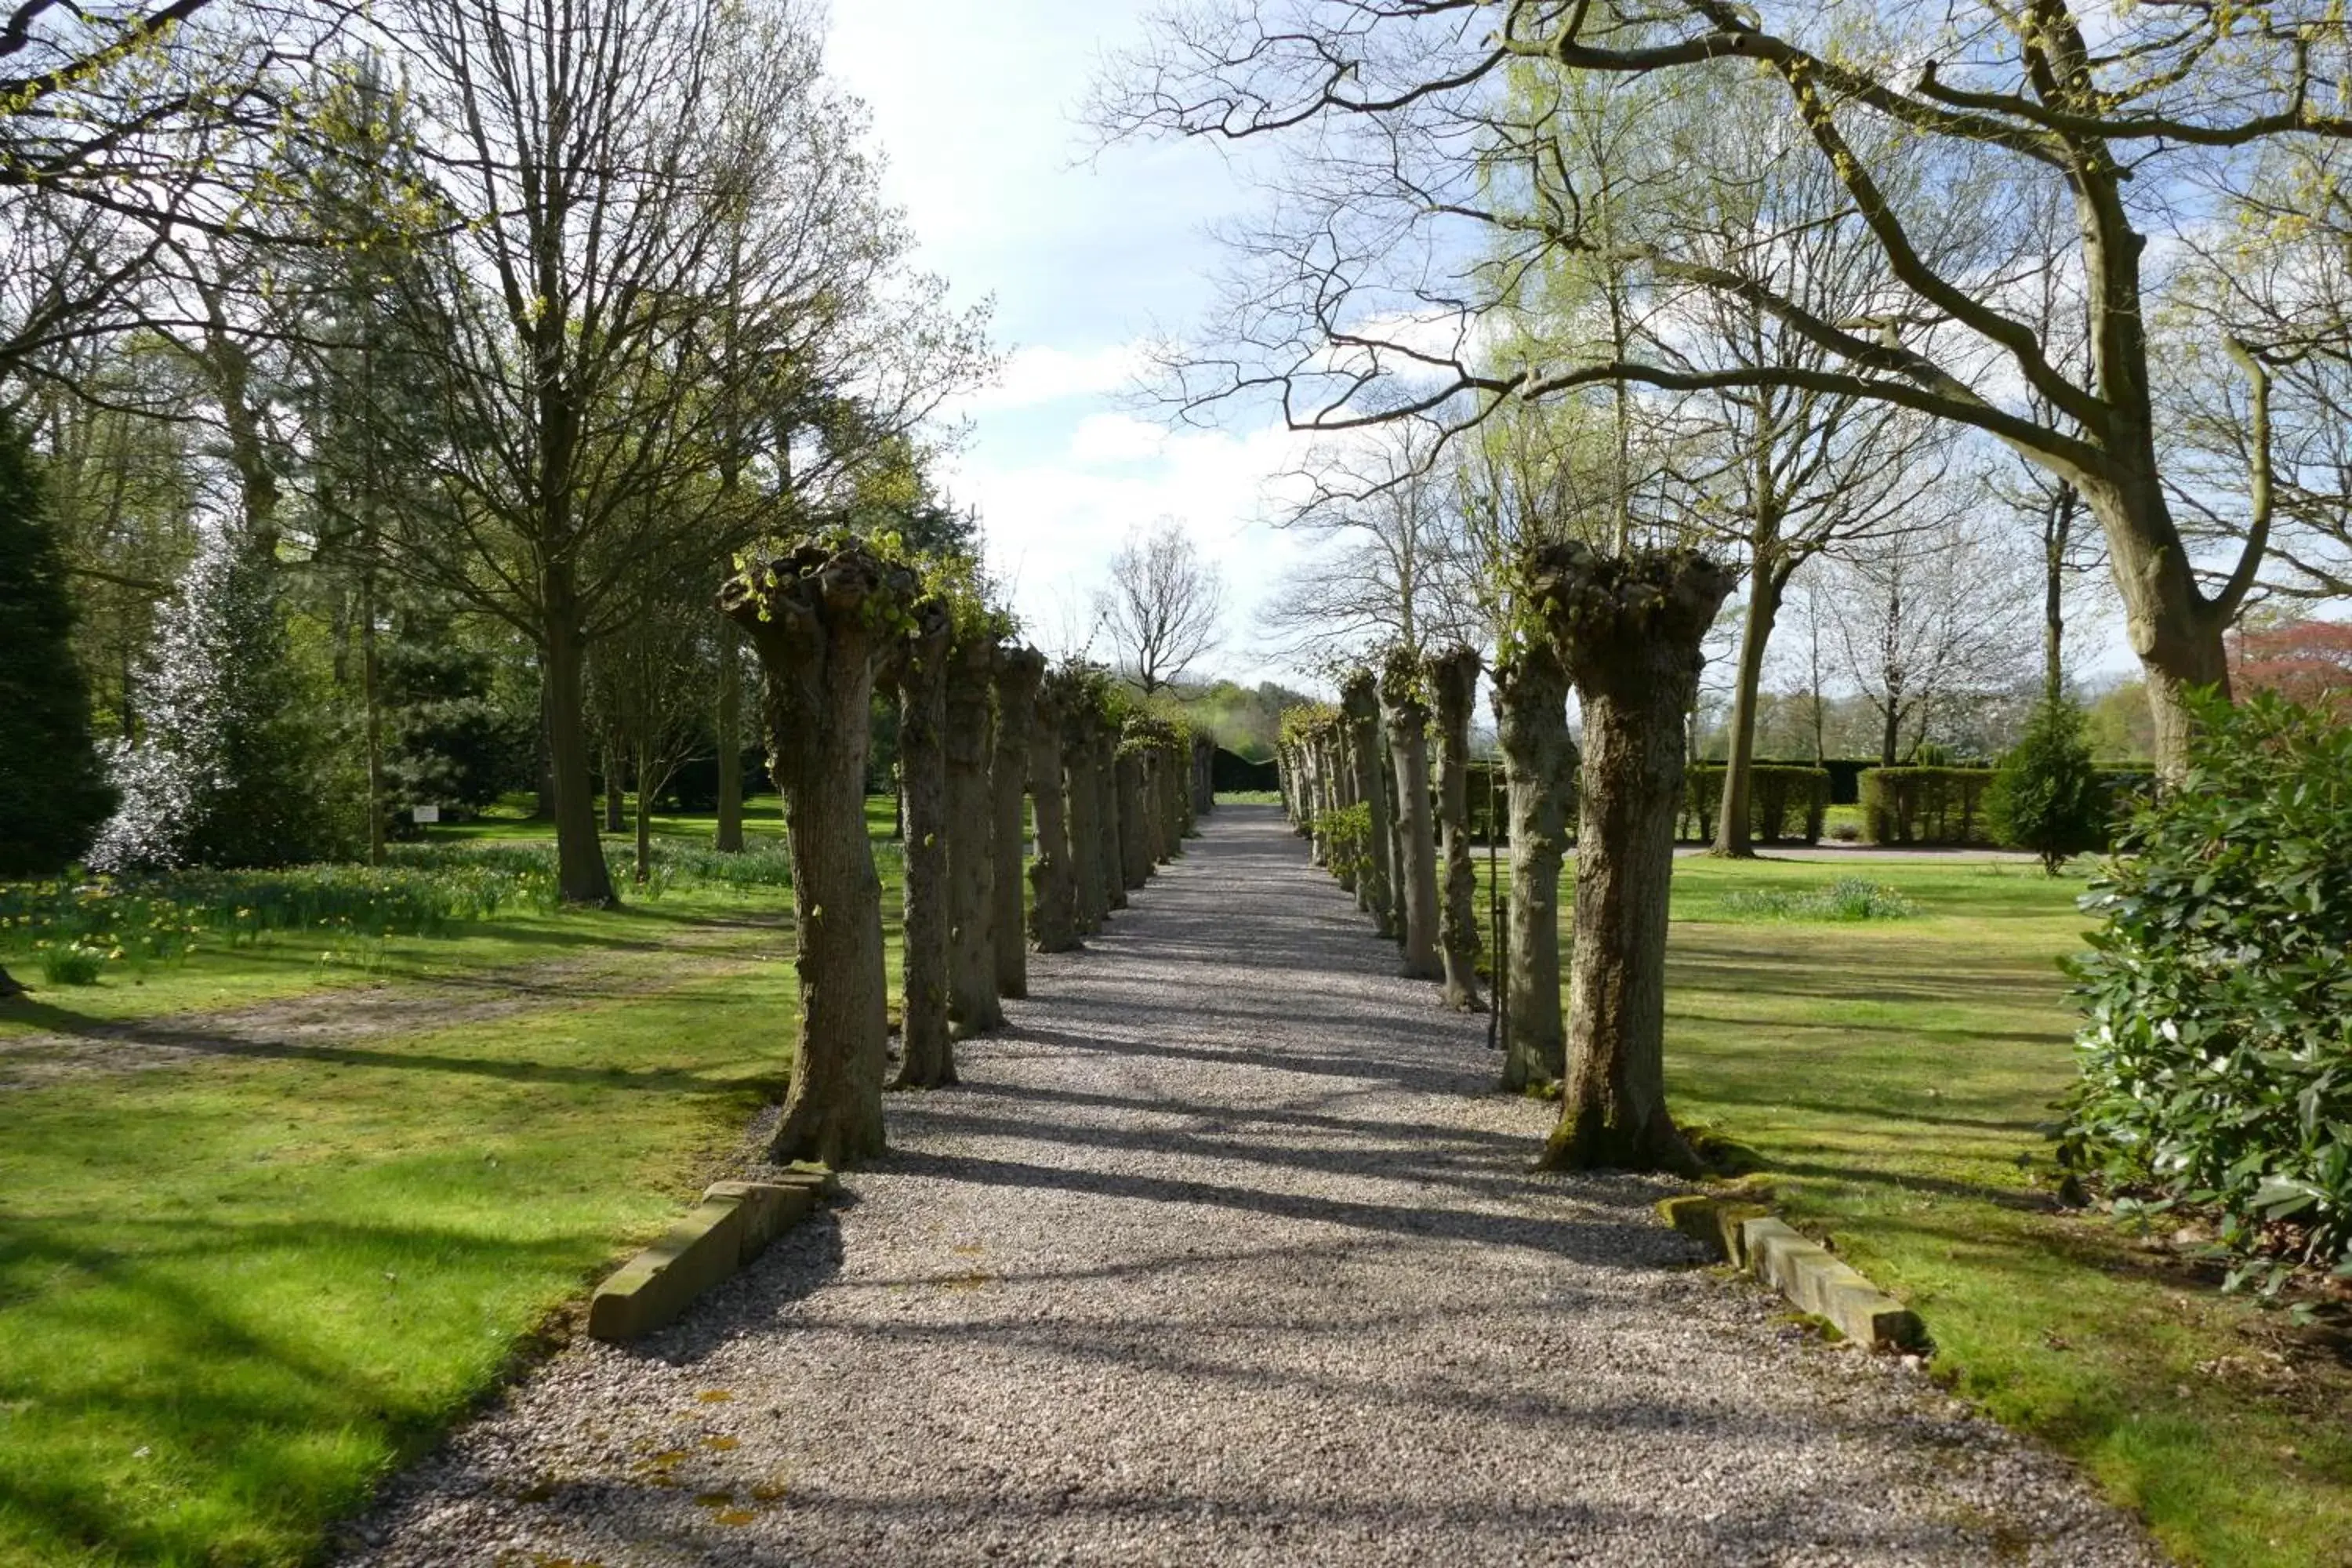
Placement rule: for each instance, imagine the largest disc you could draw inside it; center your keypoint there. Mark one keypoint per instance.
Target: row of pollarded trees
(985, 729)
(1624, 632)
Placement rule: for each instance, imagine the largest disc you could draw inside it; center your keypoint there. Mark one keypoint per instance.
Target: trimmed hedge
(1786, 802)
(1926, 805)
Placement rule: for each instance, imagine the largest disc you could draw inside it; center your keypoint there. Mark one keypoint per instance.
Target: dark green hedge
(1924, 805)
(1786, 802)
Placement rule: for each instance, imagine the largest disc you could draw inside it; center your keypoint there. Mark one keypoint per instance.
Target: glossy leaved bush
(2217, 1057)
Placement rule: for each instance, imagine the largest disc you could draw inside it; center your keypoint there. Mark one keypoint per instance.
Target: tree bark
(1538, 769)
(926, 1058)
(616, 802)
(972, 1005)
(1134, 819)
(729, 839)
(1406, 716)
(1734, 831)
(1453, 686)
(1018, 671)
(1628, 630)
(1086, 814)
(644, 868)
(581, 874)
(1053, 879)
(1113, 870)
(1360, 708)
(816, 616)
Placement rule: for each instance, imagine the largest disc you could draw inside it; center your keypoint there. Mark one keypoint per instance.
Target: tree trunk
(1085, 820)
(1628, 630)
(926, 1059)
(644, 868)
(1114, 876)
(972, 1005)
(1453, 686)
(1734, 831)
(814, 616)
(581, 874)
(729, 839)
(1539, 769)
(1359, 708)
(1018, 670)
(1134, 820)
(1406, 719)
(616, 802)
(1395, 925)
(543, 807)
(1053, 879)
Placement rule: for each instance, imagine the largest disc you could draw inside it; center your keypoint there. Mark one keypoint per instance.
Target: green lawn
(1895, 1078)
(234, 1293)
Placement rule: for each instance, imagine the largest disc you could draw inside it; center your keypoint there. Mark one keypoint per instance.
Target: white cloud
(1042, 375)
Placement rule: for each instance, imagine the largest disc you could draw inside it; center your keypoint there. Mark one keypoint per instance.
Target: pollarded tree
(1053, 876)
(1453, 677)
(1360, 705)
(1077, 695)
(827, 616)
(1405, 717)
(49, 771)
(973, 1004)
(1018, 671)
(1540, 762)
(1407, 213)
(1627, 629)
(925, 1058)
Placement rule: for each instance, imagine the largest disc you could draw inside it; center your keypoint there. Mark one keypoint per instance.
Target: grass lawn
(235, 1292)
(1894, 1078)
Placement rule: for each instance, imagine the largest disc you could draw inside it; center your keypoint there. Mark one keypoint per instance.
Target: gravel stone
(1224, 1253)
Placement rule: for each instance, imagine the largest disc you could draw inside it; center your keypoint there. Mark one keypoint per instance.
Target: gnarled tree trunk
(1078, 770)
(1112, 820)
(1018, 670)
(1052, 879)
(1453, 686)
(1539, 769)
(972, 1005)
(817, 614)
(1360, 710)
(1628, 630)
(1134, 819)
(926, 1058)
(1406, 716)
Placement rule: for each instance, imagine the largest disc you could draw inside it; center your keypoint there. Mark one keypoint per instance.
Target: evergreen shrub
(2217, 1055)
(2046, 796)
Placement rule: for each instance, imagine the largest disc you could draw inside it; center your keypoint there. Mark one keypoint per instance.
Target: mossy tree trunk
(1453, 689)
(1052, 880)
(926, 1058)
(1360, 710)
(972, 1005)
(824, 617)
(1134, 819)
(1628, 630)
(1539, 771)
(1395, 798)
(1086, 818)
(1018, 671)
(1113, 861)
(1405, 717)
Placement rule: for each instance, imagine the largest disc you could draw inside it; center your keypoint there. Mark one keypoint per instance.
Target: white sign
(424, 814)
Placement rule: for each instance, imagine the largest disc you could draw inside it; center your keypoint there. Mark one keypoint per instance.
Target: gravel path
(1222, 1256)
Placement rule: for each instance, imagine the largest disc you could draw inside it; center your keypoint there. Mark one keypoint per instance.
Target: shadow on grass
(237, 1414)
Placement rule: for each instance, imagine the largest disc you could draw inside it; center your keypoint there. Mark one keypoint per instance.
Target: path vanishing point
(1225, 1253)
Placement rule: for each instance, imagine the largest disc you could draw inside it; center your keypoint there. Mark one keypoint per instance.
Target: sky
(1089, 255)
(1087, 258)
